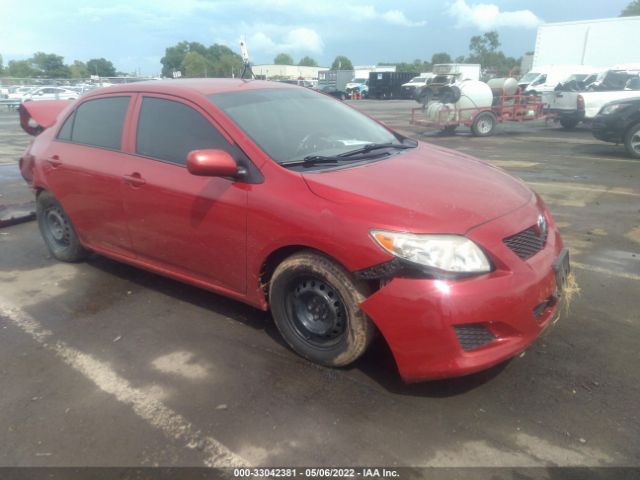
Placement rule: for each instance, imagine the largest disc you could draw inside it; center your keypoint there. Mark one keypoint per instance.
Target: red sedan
(288, 200)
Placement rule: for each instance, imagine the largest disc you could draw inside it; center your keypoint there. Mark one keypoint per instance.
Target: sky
(133, 34)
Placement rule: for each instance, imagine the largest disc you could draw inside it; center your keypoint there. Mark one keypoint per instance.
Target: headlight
(609, 109)
(448, 253)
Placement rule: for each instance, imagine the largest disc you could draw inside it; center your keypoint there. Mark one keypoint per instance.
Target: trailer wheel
(568, 123)
(484, 124)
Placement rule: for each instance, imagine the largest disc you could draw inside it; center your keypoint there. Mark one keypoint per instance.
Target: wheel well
(278, 256)
(273, 260)
(634, 123)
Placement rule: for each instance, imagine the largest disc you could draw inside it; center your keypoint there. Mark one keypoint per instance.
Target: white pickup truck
(571, 108)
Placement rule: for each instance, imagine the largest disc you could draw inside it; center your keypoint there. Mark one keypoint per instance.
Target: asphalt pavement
(102, 364)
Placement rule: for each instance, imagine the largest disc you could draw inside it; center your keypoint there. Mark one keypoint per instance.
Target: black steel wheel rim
(316, 311)
(57, 226)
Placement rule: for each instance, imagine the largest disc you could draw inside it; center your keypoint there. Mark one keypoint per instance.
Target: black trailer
(388, 84)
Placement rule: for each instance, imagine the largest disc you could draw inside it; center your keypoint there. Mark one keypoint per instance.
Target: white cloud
(298, 40)
(486, 16)
(397, 17)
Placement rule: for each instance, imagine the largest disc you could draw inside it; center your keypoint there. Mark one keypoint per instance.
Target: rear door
(84, 166)
(190, 225)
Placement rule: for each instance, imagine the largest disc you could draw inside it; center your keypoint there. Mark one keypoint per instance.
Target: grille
(473, 336)
(526, 243)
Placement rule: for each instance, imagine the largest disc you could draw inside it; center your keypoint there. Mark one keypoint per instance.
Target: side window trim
(125, 125)
(130, 147)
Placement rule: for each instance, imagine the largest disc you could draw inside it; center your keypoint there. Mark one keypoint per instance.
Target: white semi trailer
(598, 43)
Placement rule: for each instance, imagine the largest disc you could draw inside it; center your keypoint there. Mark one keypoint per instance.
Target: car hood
(427, 189)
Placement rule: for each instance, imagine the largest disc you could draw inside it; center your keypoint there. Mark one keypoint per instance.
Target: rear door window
(168, 130)
(99, 122)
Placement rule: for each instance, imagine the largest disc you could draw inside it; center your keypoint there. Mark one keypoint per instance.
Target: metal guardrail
(11, 103)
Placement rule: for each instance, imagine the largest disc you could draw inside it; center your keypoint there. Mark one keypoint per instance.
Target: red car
(289, 200)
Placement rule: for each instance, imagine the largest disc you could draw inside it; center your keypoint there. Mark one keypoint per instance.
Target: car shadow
(377, 363)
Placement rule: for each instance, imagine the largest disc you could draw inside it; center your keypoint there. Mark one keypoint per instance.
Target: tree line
(50, 65)
(193, 59)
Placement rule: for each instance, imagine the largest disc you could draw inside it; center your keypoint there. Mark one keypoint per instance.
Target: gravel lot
(103, 364)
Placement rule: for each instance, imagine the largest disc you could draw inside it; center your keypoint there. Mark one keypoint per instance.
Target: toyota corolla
(288, 200)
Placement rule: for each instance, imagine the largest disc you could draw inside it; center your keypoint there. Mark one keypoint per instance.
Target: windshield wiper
(311, 160)
(375, 146)
(316, 159)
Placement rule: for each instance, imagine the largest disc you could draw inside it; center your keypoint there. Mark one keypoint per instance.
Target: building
(286, 72)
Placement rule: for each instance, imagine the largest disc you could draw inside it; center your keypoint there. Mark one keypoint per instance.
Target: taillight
(580, 102)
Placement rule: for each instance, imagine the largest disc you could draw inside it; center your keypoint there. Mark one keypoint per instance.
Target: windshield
(576, 76)
(358, 80)
(290, 123)
(529, 77)
(418, 80)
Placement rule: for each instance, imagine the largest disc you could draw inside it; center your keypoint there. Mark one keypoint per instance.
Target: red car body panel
(218, 233)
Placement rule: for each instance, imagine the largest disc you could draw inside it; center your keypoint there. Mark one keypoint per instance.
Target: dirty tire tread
(74, 251)
(360, 330)
(633, 130)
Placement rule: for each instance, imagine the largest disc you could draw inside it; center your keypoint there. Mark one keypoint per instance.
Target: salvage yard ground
(104, 364)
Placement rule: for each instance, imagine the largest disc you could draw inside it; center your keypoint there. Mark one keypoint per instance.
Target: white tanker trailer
(478, 105)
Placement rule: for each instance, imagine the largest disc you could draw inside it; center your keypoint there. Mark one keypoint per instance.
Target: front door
(190, 225)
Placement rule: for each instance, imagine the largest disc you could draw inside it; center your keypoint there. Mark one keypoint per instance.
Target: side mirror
(212, 163)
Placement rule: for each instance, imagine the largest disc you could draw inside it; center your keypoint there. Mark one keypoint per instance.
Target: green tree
(195, 64)
(101, 67)
(341, 63)
(49, 65)
(78, 69)
(283, 59)
(631, 10)
(1, 66)
(418, 66)
(440, 57)
(484, 50)
(307, 62)
(20, 69)
(221, 60)
(225, 62)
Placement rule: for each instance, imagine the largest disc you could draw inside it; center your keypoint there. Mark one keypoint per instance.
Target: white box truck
(598, 43)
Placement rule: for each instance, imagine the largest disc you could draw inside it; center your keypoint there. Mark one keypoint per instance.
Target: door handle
(135, 179)
(54, 161)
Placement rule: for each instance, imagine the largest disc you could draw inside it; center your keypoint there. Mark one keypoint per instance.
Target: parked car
(619, 122)
(331, 90)
(288, 200)
(359, 85)
(573, 107)
(16, 93)
(549, 77)
(414, 85)
(50, 93)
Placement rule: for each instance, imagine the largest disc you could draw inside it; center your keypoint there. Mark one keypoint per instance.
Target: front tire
(57, 231)
(568, 123)
(632, 141)
(315, 305)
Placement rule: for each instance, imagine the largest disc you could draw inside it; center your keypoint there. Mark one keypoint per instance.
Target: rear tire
(632, 141)
(568, 123)
(56, 229)
(484, 124)
(315, 305)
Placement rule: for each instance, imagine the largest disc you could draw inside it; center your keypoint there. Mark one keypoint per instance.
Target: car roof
(191, 86)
